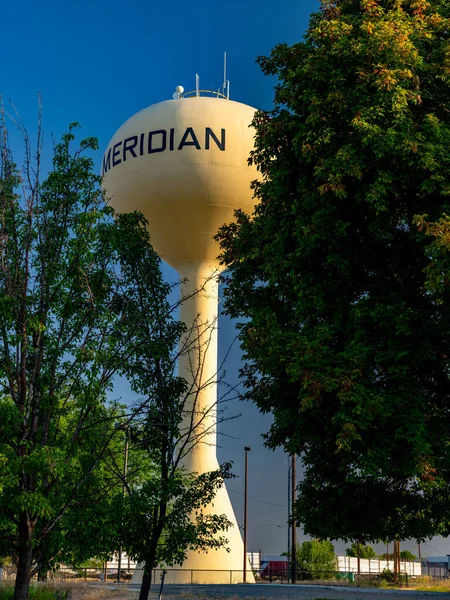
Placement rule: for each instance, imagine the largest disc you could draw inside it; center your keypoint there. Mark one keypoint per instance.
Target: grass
(66, 591)
(37, 592)
(82, 592)
(428, 584)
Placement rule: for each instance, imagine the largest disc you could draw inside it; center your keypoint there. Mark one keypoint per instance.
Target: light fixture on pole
(247, 450)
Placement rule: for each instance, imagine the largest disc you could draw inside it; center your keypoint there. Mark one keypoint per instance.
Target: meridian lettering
(127, 147)
(151, 135)
(193, 142)
(158, 140)
(116, 153)
(106, 161)
(210, 133)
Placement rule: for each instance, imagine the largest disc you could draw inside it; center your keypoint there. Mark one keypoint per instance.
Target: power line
(257, 499)
(268, 525)
(432, 547)
(264, 512)
(240, 526)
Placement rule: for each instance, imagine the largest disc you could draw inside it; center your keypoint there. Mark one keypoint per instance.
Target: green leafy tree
(55, 282)
(404, 555)
(316, 559)
(65, 332)
(361, 550)
(343, 341)
(407, 555)
(89, 527)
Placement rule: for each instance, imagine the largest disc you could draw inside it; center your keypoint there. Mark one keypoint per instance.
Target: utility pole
(396, 560)
(247, 450)
(358, 553)
(294, 524)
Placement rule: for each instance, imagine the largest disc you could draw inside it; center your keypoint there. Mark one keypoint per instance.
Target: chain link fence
(266, 575)
(194, 576)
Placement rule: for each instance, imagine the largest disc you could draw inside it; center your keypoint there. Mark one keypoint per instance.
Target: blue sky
(98, 63)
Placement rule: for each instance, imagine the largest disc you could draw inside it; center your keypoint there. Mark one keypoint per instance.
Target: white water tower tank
(184, 164)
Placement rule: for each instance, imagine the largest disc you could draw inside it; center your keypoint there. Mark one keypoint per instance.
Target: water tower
(184, 164)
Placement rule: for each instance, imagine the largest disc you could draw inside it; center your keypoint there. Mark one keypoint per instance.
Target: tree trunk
(22, 585)
(145, 585)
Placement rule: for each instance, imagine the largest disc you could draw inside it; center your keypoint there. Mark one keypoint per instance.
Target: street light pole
(289, 521)
(247, 450)
(294, 524)
(125, 469)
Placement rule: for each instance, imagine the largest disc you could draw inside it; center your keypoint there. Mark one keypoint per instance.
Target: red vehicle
(274, 569)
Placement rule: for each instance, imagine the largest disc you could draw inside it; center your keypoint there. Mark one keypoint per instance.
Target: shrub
(316, 559)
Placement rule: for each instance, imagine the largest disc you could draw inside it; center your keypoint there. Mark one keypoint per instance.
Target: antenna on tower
(224, 86)
(222, 92)
(226, 83)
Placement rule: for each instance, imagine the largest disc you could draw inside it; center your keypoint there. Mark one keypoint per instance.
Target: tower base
(216, 565)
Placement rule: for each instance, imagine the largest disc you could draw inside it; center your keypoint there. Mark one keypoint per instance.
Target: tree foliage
(361, 550)
(82, 299)
(345, 305)
(438, 270)
(404, 555)
(67, 327)
(316, 559)
(407, 555)
(173, 508)
(57, 353)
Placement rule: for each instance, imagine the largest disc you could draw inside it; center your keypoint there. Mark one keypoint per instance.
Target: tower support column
(198, 366)
(198, 363)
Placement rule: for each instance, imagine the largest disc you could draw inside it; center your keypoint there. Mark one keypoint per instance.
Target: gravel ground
(282, 592)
